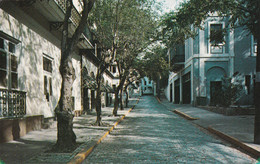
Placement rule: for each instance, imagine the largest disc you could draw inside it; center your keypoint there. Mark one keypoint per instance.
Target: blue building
(200, 64)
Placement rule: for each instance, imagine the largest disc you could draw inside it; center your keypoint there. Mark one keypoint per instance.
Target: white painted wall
(29, 54)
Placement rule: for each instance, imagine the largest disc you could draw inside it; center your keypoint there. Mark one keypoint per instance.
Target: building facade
(30, 81)
(147, 86)
(201, 63)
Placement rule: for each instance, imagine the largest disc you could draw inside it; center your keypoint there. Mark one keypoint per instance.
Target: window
(2, 46)
(50, 86)
(11, 47)
(45, 88)
(248, 83)
(3, 69)
(254, 46)
(216, 38)
(47, 64)
(114, 69)
(47, 67)
(14, 73)
(114, 87)
(8, 65)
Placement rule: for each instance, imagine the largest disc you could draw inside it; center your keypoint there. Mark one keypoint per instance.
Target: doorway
(85, 100)
(186, 92)
(93, 103)
(215, 92)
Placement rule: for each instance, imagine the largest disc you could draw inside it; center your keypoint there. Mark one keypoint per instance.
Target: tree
(156, 66)
(103, 64)
(102, 23)
(245, 13)
(132, 77)
(66, 138)
(124, 27)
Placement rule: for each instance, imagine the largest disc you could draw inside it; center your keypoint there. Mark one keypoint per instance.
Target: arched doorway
(214, 84)
(86, 108)
(93, 101)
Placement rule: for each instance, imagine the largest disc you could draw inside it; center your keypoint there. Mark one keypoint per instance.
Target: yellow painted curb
(81, 156)
(158, 99)
(235, 141)
(185, 115)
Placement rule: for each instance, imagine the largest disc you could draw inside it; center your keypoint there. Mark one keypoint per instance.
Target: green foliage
(124, 27)
(192, 14)
(217, 36)
(154, 65)
(171, 32)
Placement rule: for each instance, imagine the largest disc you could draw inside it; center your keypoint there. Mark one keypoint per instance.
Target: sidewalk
(237, 127)
(33, 146)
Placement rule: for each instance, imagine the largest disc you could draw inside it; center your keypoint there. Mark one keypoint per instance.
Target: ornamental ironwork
(12, 103)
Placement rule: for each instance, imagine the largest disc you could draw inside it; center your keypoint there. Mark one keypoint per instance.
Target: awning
(89, 82)
(109, 89)
(103, 88)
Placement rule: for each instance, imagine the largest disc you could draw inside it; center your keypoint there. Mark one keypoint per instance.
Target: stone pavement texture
(240, 127)
(32, 147)
(153, 134)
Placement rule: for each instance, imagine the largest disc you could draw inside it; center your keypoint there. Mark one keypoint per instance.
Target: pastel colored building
(200, 64)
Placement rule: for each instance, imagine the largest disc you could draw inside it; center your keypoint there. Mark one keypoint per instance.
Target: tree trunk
(158, 89)
(98, 106)
(257, 93)
(121, 83)
(66, 138)
(116, 103)
(121, 100)
(126, 98)
(64, 112)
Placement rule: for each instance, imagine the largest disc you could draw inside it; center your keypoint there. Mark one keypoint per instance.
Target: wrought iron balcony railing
(12, 103)
(75, 16)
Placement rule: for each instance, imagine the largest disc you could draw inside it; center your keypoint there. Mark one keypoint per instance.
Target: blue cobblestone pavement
(152, 134)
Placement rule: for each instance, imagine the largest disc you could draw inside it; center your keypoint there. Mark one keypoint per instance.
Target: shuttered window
(8, 64)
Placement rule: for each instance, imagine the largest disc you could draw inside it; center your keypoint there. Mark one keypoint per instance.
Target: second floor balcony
(177, 58)
(46, 18)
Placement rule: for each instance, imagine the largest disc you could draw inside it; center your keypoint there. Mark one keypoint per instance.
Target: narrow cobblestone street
(152, 134)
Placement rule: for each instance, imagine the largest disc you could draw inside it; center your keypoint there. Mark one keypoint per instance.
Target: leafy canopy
(176, 26)
(124, 27)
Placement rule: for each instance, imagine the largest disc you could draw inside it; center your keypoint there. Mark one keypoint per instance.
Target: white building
(147, 86)
(30, 82)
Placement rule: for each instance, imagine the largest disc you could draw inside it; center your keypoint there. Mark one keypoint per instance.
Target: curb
(184, 115)
(81, 156)
(158, 99)
(235, 142)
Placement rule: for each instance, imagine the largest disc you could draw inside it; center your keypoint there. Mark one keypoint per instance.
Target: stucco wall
(30, 52)
(236, 57)
(244, 61)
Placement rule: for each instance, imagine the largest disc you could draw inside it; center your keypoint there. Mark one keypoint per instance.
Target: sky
(169, 5)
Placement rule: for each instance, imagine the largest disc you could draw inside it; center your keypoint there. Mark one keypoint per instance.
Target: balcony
(46, 18)
(177, 58)
(12, 103)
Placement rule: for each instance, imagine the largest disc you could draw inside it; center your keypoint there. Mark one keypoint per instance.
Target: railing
(177, 63)
(12, 103)
(75, 16)
(178, 59)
